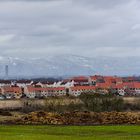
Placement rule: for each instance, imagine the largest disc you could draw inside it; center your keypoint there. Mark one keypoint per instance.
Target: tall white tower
(6, 71)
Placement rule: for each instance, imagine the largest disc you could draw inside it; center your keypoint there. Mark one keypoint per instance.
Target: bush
(101, 103)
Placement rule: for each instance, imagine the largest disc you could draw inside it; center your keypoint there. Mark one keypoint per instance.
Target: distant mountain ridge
(61, 65)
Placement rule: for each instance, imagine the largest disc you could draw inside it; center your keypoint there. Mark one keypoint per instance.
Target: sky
(34, 28)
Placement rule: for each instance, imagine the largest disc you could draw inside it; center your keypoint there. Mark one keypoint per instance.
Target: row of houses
(8, 92)
(74, 86)
(74, 81)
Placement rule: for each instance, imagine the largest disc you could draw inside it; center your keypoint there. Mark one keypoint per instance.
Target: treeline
(101, 103)
(108, 102)
(85, 102)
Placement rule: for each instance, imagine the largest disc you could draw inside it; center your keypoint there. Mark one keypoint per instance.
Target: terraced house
(39, 92)
(10, 92)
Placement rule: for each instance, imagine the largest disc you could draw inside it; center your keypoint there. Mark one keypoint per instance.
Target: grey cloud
(103, 3)
(87, 27)
(28, 0)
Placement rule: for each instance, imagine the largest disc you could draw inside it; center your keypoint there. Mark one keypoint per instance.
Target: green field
(69, 132)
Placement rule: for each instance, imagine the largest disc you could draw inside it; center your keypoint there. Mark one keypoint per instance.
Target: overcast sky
(84, 27)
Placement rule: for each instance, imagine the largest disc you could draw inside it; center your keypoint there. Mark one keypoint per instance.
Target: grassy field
(69, 132)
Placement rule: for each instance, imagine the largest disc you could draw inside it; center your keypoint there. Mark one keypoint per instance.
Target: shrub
(100, 103)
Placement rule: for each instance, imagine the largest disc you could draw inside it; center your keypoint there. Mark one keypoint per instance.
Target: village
(74, 86)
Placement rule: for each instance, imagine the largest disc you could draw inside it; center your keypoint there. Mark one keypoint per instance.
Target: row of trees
(100, 103)
(84, 102)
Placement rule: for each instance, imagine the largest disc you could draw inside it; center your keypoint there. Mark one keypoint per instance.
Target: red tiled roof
(80, 79)
(56, 88)
(104, 85)
(32, 89)
(112, 79)
(83, 88)
(40, 89)
(118, 79)
(12, 89)
(118, 86)
(134, 85)
(96, 77)
(127, 85)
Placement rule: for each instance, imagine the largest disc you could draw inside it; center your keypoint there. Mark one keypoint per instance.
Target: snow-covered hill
(62, 65)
